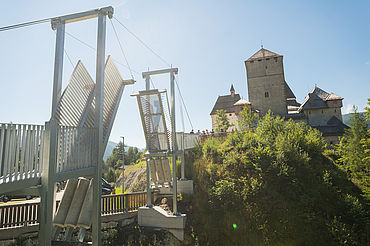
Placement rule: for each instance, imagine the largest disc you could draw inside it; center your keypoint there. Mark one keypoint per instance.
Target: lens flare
(235, 226)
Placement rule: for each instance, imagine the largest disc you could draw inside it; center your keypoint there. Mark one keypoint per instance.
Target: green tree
(130, 156)
(110, 176)
(222, 121)
(274, 185)
(353, 150)
(248, 119)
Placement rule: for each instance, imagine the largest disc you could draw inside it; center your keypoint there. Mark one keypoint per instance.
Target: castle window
(335, 110)
(267, 59)
(251, 61)
(322, 111)
(266, 94)
(275, 59)
(309, 112)
(229, 114)
(260, 60)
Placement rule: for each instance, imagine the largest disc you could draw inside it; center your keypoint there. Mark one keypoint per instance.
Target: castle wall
(320, 117)
(233, 119)
(266, 85)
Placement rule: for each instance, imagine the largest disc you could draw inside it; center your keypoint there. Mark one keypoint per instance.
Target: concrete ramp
(158, 218)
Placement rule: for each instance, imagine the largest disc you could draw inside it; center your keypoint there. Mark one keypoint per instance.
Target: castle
(268, 90)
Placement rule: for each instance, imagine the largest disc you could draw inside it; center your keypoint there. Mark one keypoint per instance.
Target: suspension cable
(163, 60)
(120, 45)
(143, 43)
(69, 58)
(79, 40)
(25, 24)
(183, 102)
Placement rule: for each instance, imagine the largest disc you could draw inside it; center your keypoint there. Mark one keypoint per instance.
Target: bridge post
(48, 186)
(174, 143)
(99, 101)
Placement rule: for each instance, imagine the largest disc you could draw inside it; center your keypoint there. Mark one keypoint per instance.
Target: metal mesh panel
(167, 117)
(152, 113)
(190, 140)
(75, 98)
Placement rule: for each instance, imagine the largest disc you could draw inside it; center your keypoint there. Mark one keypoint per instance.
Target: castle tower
(232, 91)
(267, 88)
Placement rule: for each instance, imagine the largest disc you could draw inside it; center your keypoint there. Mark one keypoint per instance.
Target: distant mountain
(109, 150)
(347, 118)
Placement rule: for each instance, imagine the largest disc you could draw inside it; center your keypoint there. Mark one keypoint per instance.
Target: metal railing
(18, 216)
(27, 214)
(20, 151)
(77, 148)
(121, 203)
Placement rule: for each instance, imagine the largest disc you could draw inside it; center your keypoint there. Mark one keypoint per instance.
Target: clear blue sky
(323, 42)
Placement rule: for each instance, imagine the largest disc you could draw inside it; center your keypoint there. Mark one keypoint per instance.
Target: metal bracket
(81, 16)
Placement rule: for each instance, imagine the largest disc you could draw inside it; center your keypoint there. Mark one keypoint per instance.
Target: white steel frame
(146, 76)
(48, 179)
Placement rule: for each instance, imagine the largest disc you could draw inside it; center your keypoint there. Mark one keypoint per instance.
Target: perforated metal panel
(152, 110)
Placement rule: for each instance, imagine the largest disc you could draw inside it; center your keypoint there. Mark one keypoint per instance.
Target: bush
(274, 185)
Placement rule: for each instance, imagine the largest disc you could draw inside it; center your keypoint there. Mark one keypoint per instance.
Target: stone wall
(320, 117)
(266, 85)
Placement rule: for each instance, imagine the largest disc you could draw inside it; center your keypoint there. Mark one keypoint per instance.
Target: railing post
(183, 156)
(48, 187)
(99, 100)
(126, 203)
(148, 189)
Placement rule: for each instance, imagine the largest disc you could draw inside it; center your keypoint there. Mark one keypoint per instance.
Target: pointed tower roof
(232, 88)
(262, 53)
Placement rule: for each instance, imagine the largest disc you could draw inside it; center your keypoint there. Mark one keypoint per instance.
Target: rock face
(134, 181)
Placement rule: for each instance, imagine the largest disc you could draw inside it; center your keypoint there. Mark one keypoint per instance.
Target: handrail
(27, 214)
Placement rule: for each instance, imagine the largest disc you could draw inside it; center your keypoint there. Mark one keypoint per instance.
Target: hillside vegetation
(274, 183)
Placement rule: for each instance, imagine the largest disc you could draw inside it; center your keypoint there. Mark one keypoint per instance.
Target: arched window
(266, 94)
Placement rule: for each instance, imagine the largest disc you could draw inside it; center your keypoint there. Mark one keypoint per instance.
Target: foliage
(274, 185)
(112, 175)
(130, 157)
(222, 121)
(133, 234)
(354, 152)
(248, 119)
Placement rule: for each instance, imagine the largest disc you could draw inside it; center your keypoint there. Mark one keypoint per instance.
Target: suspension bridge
(70, 146)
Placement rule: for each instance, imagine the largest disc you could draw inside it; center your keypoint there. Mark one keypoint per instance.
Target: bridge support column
(174, 142)
(99, 102)
(48, 186)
